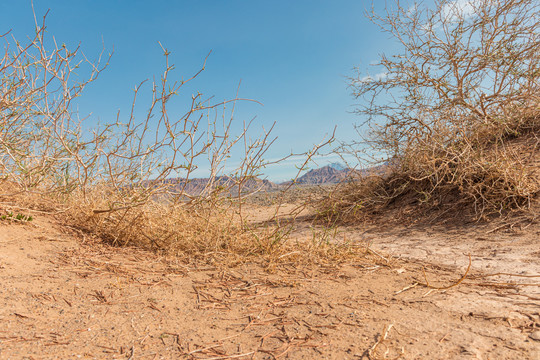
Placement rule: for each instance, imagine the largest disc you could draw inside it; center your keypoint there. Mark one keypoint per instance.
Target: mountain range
(326, 175)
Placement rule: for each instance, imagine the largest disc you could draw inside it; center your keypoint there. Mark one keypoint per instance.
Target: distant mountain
(325, 175)
(329, 174)
(338, 166)
(197, 186)
(336, 173)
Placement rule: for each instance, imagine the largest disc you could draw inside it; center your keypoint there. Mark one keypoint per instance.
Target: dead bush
(130, 182)
(444, 110)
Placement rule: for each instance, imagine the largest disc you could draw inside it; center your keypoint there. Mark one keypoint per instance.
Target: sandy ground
(64, 297)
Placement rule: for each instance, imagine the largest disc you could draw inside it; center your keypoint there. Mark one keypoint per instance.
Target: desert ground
(150, 229)
(65, 295)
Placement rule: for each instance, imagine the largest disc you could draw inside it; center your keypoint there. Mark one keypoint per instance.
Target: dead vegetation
(95, 300)
(456, 113)
(125, 182)
(201, 293)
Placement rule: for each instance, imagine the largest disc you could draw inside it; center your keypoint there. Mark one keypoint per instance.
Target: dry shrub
(474, 182)
(185, 229)
(207, 232)
(456, 113)
(130, 182)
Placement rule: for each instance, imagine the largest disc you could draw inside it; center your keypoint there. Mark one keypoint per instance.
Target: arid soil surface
(62, 296)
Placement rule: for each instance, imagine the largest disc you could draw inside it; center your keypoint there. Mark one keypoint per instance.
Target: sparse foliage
(130, 181)
(11, 216)
(123, 179)
(466, 80)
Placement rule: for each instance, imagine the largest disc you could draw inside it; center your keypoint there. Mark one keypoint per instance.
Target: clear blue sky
(293, 56)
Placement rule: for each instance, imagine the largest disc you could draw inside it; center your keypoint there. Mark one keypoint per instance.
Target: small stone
(535, 335)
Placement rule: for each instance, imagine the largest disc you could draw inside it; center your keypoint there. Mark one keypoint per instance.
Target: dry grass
(457, 118)
(206, 232)
(127, 182)
(202, 232)
(474, 180)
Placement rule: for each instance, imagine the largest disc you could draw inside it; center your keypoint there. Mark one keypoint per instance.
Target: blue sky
(292, 56)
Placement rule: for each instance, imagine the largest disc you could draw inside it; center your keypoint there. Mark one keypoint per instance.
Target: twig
(204, 349)
(406, 288)
(381, 339)
(379, 255)
(230, 356)
(449, 286)
(502, 274)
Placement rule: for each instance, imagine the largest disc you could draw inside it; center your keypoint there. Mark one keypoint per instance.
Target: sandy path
(62, 298)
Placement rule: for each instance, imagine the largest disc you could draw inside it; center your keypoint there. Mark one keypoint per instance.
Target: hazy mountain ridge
(196, 186)
(336, 173)
(326, 175)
